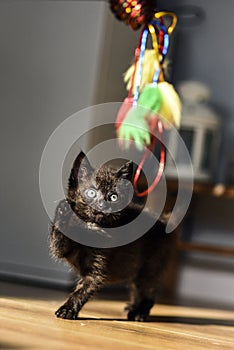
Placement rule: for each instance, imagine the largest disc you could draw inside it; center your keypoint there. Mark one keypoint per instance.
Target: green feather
(150, 98)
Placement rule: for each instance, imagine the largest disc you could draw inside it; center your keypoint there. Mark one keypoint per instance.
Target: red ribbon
(161, 167)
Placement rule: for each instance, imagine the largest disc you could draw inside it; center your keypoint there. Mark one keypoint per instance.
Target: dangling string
(156, 48)
(161, 163)
(155, 123)
(141, 59)
(137, 54)
(160, 15)
(164, 32)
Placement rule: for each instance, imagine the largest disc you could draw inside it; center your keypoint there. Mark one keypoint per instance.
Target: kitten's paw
(139, 312)
(67, 311)
(135, 315)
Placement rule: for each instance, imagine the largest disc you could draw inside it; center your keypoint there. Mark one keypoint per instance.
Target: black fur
(139, 264)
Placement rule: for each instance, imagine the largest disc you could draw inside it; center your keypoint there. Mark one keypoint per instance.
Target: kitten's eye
(113, 197)
(91, 193)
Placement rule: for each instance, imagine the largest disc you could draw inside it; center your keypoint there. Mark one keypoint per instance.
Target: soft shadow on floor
(168, 319)
(191, 320)
(8, 346)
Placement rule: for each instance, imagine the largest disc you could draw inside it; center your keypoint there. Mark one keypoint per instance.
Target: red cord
(136, 58)
(161, 163)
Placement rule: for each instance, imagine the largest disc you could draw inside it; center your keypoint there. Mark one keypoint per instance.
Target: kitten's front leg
(98, 229)
(60, 245)
(85, 288)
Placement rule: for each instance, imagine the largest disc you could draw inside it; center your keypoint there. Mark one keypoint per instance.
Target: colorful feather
(171, 106)
(150, 65)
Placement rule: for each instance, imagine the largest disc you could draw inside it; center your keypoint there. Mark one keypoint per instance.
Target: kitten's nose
(101, 203)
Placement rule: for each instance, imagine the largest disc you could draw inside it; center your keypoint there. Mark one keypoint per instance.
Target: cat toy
(152, 103)
(134, 13)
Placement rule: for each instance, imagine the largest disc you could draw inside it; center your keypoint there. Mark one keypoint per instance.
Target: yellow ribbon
(173, 16)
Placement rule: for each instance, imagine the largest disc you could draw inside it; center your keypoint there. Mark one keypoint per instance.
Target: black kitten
(97, 201)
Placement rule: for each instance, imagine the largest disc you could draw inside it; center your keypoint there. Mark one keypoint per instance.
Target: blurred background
(58, 57)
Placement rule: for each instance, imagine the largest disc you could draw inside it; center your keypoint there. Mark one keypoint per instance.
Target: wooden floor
(27, 321)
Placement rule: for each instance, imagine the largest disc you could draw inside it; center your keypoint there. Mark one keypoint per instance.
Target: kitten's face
(99, 196)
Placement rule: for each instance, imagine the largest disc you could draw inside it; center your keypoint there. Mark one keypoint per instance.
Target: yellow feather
(150, 65)
(171, 106)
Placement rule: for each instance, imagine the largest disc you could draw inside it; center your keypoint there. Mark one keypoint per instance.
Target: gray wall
(57, 57)
(205, 47)
(49, 60)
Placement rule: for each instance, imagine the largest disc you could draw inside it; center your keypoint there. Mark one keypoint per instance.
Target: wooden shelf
(205, 248)
(203, 189)
(210, 190)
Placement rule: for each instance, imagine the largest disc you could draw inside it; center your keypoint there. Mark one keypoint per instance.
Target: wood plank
(30, 324)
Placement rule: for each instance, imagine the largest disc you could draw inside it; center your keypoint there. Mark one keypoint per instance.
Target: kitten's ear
(81, 169)
(126, 171)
